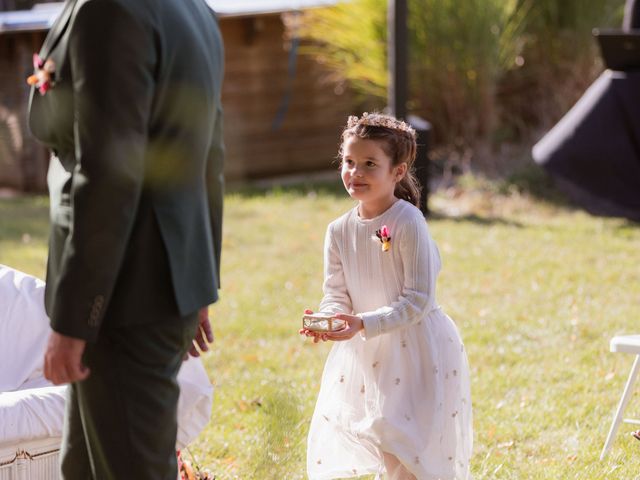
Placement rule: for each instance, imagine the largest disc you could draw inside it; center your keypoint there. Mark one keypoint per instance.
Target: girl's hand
(354, 325)
(317, 336)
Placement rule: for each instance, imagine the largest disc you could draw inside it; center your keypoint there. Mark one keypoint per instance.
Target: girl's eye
(348, 161)
(370, 164)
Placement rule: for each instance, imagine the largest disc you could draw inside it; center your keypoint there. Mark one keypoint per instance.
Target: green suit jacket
(134, 122)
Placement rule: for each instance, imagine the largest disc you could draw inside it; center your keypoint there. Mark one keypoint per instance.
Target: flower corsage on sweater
(384, 236)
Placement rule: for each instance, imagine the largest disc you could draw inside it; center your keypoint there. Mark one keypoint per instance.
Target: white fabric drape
(30, 406)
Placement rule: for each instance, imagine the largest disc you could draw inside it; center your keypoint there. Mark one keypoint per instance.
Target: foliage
(351, 41)
(24, 230)
(479, 68)
(559, 59)
(459, 49)
(537, 290)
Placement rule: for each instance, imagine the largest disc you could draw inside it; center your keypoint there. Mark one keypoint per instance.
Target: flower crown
(380, 120)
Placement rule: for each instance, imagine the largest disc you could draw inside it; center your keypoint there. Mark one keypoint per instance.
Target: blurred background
(491, 76)
(536, 286)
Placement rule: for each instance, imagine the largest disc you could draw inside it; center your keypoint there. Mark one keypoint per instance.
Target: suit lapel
(57, 29)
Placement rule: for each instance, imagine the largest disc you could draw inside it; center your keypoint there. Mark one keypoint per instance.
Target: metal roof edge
(42, 15)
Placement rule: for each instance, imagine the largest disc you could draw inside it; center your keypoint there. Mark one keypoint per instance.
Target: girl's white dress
(402, 387)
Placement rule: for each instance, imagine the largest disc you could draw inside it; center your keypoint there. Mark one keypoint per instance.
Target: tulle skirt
(404, 393)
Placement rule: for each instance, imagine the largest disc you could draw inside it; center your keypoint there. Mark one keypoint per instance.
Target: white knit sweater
(357, 271)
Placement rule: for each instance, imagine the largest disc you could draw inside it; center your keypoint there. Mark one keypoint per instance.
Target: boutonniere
(44, 72)
(384, 236)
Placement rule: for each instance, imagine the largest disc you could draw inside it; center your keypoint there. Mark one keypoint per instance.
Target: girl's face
(368, 174)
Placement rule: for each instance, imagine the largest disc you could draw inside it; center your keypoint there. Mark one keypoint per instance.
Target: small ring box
(322, 322)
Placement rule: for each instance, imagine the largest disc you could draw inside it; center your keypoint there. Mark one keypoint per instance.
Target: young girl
(395, 389)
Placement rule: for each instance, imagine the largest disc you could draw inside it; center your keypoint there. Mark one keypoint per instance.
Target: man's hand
(204, 333)
(63, 359)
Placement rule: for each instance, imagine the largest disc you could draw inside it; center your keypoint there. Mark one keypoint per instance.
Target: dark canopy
(594, 151)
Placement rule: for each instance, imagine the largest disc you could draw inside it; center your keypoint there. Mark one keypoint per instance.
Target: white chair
(623, 344)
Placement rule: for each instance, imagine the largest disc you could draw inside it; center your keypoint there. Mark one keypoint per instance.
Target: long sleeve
(336, 298)
(416, 295)
(112, 64)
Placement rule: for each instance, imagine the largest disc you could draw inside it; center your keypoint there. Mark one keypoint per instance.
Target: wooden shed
(283, 114)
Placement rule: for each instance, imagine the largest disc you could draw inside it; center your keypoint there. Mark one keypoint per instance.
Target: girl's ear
(400, 171)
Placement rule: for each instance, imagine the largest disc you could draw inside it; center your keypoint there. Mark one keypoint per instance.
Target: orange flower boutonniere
(44, 72)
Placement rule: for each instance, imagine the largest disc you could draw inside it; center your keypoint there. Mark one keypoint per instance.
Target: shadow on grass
(475, 219)
(334, 188)
(530, 179)
(540, 185)
(627, 227)
(534, 181)
(517, 172)
(304, 188)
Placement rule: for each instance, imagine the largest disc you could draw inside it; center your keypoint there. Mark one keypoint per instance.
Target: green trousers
(120, 422)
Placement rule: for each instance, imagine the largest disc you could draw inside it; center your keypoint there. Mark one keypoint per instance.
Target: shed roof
(258, 7)
(42, 15)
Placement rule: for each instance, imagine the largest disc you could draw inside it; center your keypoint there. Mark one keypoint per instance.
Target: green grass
(23, 233)
(537, 289)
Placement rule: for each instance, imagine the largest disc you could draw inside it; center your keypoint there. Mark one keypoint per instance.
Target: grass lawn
(537, 290)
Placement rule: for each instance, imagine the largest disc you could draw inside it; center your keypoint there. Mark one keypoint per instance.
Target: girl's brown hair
(397, 139)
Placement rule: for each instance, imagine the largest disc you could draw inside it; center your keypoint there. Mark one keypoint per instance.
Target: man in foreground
(127, 96)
